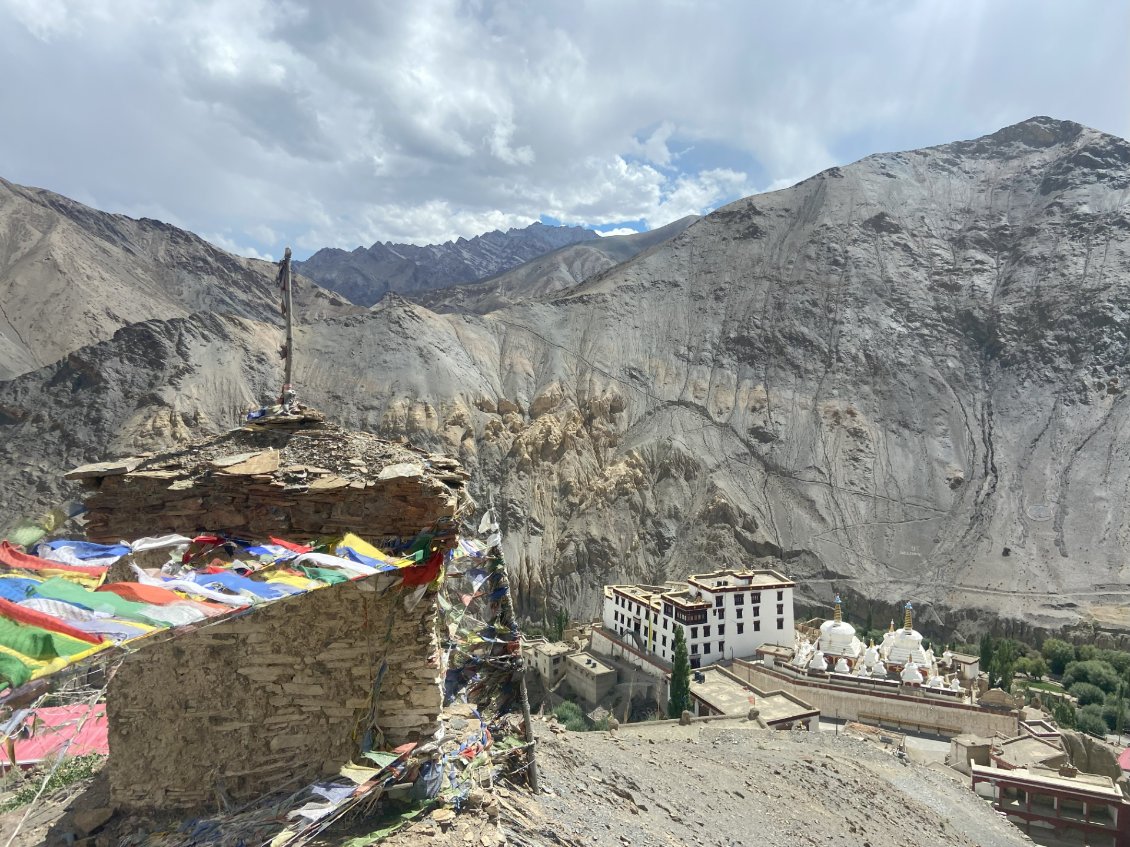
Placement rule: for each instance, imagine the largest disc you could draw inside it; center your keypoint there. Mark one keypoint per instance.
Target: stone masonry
(282, 692)
(278, 696)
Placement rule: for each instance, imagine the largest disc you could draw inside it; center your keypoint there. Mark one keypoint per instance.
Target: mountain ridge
(903, 378)
(98, 271)
(364, 275)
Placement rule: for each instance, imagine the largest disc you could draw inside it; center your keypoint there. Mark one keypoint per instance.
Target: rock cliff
(71, 276)
(904, 378)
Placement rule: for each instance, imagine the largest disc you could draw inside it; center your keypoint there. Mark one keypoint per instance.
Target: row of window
(621, 618)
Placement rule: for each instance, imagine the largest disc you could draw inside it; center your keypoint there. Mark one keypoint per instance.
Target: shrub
(1086, 693)
(1059, 654)
(1116, 659)
(1089, 719)
(72, 769)
(1093, 671)
(570, 716)
(1114, 712)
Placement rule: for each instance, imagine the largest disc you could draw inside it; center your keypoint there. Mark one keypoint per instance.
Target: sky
(337, 123)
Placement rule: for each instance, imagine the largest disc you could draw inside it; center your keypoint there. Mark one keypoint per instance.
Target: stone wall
(905, 711)
(255, 483)
(276, 696)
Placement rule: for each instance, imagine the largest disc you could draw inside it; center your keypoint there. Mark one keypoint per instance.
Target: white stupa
(910, 673)
(901, 646)
(838, 638)
(818, 662)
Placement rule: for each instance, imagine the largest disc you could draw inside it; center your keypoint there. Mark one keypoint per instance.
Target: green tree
(558, 624)
(1089, 719)
(1062, 712)
(1086, 693)
(1093, 671)
(1002, 665)
(987, 654)
(680, 678)
(1059, 654)
(1037, 668)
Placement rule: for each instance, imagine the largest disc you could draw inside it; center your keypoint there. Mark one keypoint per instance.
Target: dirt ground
(707, 785)
(724, 785)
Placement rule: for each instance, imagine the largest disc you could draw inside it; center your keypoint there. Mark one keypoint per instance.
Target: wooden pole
(508, 621)
(288, 300)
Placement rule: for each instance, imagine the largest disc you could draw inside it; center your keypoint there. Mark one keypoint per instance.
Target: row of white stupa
(901, 648)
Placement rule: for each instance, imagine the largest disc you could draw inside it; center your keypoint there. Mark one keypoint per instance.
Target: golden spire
(907, 623)
(837, 615)
(892, 629)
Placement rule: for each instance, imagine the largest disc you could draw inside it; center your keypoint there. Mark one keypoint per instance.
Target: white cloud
(340, 124)
(620, 230)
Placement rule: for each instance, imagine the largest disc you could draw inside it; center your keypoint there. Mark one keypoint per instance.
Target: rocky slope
(709, 785)
(550, 274)
(365, 275)
(903, 378)
(71, 276)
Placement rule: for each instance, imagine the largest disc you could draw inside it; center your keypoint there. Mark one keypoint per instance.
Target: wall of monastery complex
(904, 711)
(276, 696)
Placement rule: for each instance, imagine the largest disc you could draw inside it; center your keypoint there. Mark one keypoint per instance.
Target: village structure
(747, 652)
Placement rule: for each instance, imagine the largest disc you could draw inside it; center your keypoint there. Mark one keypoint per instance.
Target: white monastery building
(724, 615)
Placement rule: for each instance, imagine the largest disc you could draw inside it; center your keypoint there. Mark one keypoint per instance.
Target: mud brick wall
(278, 695)
(258, 506)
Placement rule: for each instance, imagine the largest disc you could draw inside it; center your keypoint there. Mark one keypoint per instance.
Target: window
(757, 626)
(780, 608)
(756, 611)
(738, 613)
(721, 629)
(706, 647)
(755, 597)
(780, 623)
(718, 600)
(780, 595)
(663, 640)
(668, 610)
(718, 613)
(722, 647)
(741, 628)
(739, 599)
(706, 632)
(694, 649)
(694, 632)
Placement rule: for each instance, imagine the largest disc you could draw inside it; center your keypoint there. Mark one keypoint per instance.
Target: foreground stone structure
(283, 692)
(278, 695)
(261, 481)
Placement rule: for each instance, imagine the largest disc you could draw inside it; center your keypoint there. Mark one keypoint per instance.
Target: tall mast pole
(288, 307)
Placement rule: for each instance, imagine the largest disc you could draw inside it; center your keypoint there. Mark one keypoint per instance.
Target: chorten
(838, 638)
(904, 645)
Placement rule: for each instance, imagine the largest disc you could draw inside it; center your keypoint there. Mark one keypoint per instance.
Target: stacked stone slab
(262, 481)
(284, 692)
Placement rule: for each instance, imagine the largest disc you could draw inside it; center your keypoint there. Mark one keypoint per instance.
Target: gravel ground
(714, 784)
(710, 784)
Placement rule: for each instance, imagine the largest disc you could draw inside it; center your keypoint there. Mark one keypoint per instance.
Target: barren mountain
(550, 274)
(903, 378)
(71, 276)
(365, 275)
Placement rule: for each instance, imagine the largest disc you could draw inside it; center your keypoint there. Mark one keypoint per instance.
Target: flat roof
(1085, 783)
(734, 578)
(964, 658)
(731, 696)
(591, 662)
(1026, 750)
(553, 648)
(775, 650)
